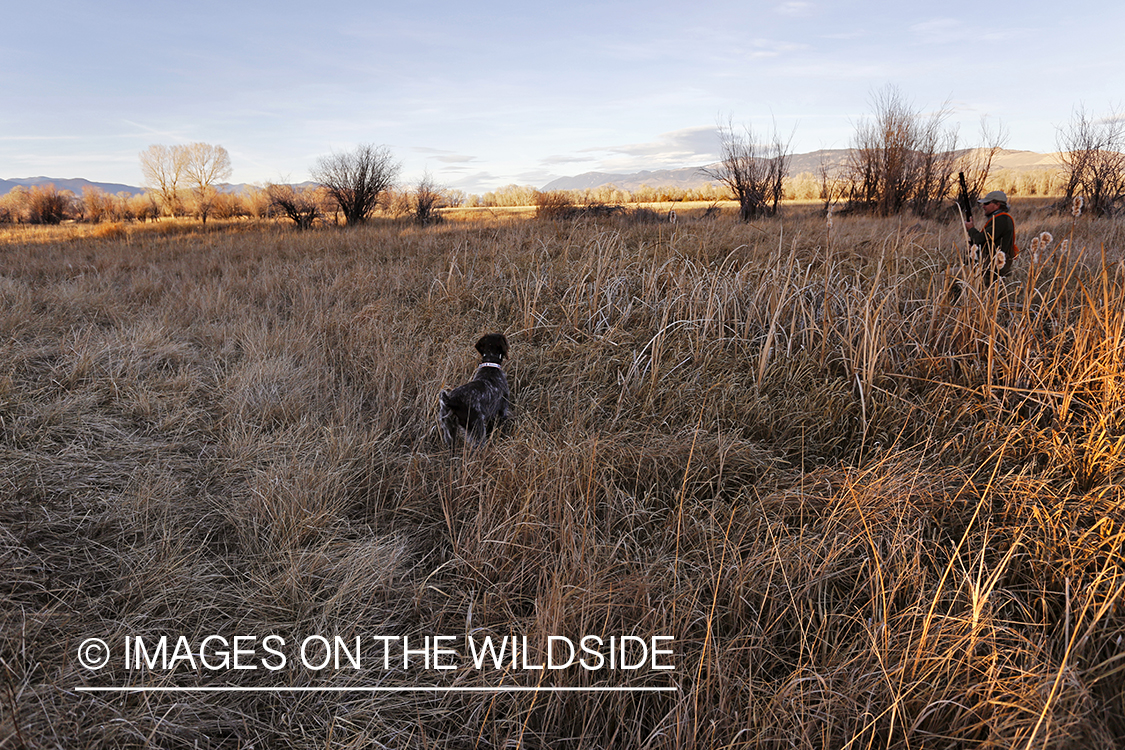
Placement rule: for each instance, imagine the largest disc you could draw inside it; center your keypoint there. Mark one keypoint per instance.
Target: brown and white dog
(481, 405)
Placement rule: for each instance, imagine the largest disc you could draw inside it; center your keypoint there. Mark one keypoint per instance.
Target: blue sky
(485, 94)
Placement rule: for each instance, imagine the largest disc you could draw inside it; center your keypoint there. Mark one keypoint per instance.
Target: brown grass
(868, 517)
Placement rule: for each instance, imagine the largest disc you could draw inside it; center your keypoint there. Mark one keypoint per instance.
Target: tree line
(904, 159)
(901, 159)
(306, 205)
(47, 204)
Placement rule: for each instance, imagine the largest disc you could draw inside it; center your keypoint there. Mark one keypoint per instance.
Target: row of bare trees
(39, 204)
(1092, 150)
(903, 158)
(900, 159)
(349, 185)
(303, 204)
(46, 204)
(353, 184)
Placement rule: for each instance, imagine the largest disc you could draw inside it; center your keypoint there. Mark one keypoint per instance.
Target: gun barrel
(963, 198)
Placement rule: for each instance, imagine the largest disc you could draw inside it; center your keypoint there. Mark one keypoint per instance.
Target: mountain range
(833, 159)
(77, 184)
(73, 184)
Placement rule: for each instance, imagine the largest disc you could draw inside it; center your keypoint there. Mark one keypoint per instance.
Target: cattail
(1046, 239)
(828, 218)
(1064, 246)
(974, 253)
(1076, 206)
(999, 260)
(1035, 245)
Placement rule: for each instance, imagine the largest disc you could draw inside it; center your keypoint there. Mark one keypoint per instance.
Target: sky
(486, 94)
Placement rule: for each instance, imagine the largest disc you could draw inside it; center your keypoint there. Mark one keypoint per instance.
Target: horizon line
(601, 170)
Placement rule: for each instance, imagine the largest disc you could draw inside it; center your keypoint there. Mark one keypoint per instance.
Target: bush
(47, 205)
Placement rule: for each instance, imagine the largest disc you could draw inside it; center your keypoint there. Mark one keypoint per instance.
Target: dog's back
(480, 405)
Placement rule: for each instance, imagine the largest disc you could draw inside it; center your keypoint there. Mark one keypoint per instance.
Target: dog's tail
(447, 419)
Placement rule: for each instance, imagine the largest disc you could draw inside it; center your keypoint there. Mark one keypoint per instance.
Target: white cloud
(675, 148)
(444, 156)
(794, 8)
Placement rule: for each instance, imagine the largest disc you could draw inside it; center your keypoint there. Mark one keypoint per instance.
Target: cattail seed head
(1046, 239)
(1076, 206)
(998, 260)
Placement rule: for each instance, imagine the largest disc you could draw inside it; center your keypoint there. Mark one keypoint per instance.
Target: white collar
(488, 364)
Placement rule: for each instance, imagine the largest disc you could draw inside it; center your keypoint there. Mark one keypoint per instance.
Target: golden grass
(868, 517)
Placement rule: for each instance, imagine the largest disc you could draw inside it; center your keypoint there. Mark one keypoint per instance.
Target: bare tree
(525, 195)
(302, 205)
(900, 158)
(144, 207)
(163, 169)
(397, 202)
(99, 206)
(13, 206)
(427, 199)
(831, 183)
(755, 172)
(257, 201)
(356, 179)
(204, 167)
(977, 163)
(555, 204)
(454, 197)
(1093, 163)
(48, 205)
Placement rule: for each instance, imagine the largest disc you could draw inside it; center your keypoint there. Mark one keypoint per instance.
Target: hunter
(997, 236)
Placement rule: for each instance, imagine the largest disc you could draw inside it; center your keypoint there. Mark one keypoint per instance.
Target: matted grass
(868, 517)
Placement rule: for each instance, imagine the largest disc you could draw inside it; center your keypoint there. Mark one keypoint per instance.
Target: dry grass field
(864, 516)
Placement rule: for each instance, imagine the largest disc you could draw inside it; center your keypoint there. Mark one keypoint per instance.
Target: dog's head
(493, 347)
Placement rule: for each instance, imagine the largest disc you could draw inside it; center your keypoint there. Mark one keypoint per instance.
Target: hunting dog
(481, 405)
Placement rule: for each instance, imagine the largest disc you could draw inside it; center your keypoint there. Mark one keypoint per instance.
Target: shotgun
(963, 199)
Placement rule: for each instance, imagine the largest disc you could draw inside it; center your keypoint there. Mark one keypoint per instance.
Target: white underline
(435, 689)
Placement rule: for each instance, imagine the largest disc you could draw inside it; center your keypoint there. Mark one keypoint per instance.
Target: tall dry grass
(869, 517)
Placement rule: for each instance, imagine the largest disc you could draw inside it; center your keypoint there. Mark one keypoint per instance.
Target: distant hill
(687, 177)
(73, 184)
(833, 159)
(1004, 159)
(76, 184)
